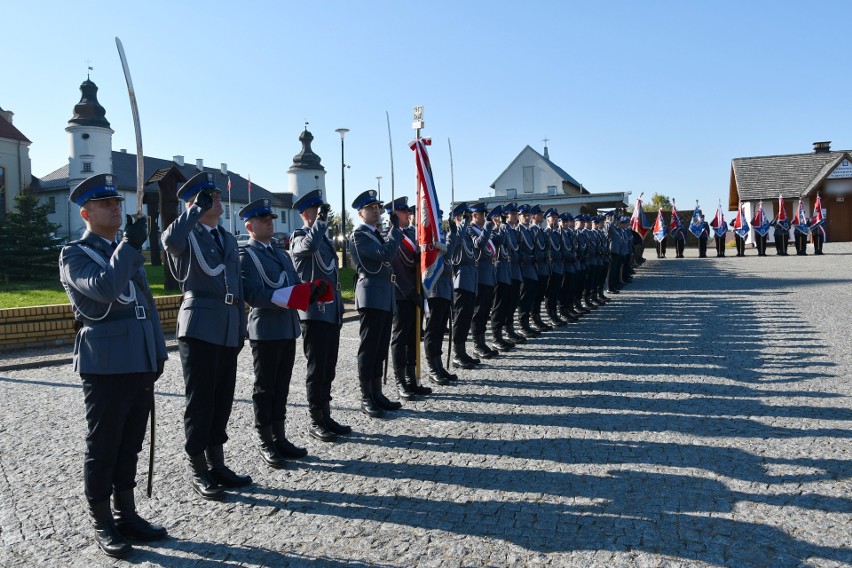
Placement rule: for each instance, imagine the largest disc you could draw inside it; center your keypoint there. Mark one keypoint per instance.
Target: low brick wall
(51, 326)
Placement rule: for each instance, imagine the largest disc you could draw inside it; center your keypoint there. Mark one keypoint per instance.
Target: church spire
(89, 112)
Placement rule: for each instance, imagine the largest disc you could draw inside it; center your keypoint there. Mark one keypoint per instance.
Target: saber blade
(140, 158)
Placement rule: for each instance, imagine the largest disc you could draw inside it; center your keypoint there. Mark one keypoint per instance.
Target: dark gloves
(318, 289)
(323, 212)
(394, 220)
(161, 364)
(416, 298)
(489, 226)
(454, 228)
(466, 217)
(136, 232)
(204, 200)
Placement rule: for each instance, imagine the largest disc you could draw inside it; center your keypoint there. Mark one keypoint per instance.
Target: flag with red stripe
(800, 219)
(429, 231)
(818, 219)
(660, 226)
(639, 221)
(741, 223)
(760, 221)
(720, 227)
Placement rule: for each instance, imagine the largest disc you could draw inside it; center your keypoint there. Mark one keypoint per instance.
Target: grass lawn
(46, 292)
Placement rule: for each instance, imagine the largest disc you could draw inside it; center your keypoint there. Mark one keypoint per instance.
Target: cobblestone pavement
(702, 418)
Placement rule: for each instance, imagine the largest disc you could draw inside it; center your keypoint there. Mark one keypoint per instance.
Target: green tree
(28, 248)
(334, 223)
(658, 200)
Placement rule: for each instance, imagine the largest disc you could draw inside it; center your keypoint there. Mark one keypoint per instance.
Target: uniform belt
(113, 316)
(211, 296)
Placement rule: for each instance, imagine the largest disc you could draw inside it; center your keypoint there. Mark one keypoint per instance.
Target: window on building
(283, 217)
(87, 166)
(51, 204)
(551, 190)
(227, 209)
(512, 193)
(528, 179)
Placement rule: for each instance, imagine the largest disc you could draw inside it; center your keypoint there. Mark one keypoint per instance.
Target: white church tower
(306, 174)
(90, 137)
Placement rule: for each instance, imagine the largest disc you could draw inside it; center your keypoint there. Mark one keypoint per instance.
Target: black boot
(513, 335)
(555, 319)
(368, 405)
(318, 429)
(539, 324)
(462, 360)
(433, 364)
(481, 348)
(268, 452)
(332, 424)
(502, 344)
(405, 391)
(129, 523)
(588, 302)
(411, 379)
(106, 534)
(443, 370)
(201, 481)
(220, 473)
(380, 399)
(579, 308)
(285, 447)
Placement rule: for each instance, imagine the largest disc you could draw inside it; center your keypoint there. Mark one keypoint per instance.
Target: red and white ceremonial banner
(639, 221)
(782, 212)
(429, 231)
(818, 218)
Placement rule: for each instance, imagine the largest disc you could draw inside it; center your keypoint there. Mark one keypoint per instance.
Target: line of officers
(496, 263)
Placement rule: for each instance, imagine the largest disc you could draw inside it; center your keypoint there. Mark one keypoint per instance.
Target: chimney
(224, 169)
(822, 147)
(123, 150)
(199, 165)
(7, 114)
(178, 160)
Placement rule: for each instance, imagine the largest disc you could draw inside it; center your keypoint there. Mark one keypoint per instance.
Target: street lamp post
(342, 132)
(379, 186)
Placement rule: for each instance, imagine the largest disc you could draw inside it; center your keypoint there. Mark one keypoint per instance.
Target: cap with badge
(398, 204)
(310, 199)
(524, 209)
(479, 207)
(198, 182)
(551, 211)
(365, 199)
(460, 209)
(498, 210)
(535, 210)
(257, 208)
(566, 217)
(510, 208)
(95, 188)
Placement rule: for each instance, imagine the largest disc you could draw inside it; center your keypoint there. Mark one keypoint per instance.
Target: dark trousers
(702, 246)
(720, 245)
(320, 340)
(273, 367)
(209, 376)
(464, 303)
(484, 299)
(375, 332)
(566, 293)
(117, 408)
(740, 242)
(554, 289)
(818, 239)
(679, 246)
(540, 294)
(801, 243)
(403, 335)
(514, 301)
(614, 273)
(760, 241)
(580, 283)
(661, 248)
(501, 306)
(436, 322)
(779, 243)
(527, 298)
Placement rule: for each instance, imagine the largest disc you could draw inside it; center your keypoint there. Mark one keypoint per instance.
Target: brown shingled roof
(8, 130)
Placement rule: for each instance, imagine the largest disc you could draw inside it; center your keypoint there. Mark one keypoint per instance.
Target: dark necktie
(218, 239)
(380, 237)
(114, 245)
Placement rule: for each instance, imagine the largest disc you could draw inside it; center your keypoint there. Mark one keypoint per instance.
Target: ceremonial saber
(393, 189)
(140, 158)
(140, 194)
(452, 203)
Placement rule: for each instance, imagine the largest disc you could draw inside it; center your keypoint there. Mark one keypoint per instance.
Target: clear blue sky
(634, 96)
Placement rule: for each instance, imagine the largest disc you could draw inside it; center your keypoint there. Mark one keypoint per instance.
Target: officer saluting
(274, 292)
(315, 258)
(374, 299)
(211, 329)
(119, 352)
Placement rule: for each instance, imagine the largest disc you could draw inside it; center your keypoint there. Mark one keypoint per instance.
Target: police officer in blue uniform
(440, 300)
(529, 285)
(513, 249)
(502, 302)
(211, 329)
(316, 259)
(273, 290)
(570, 266)
(542, 265)
(119, 352)
(485, 254)
(465, 287)
(374, 299)
(557, 266)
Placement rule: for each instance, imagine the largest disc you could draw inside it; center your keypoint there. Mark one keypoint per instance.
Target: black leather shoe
(201, 481)
(319, 431)
(269, 454)
(436, 377)
(332, 424)
(225, 477)
(518, 339)
(370, 408)
(288, 449)
(385, 403)
(109, 540)
(129, 523)
(463, 361)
